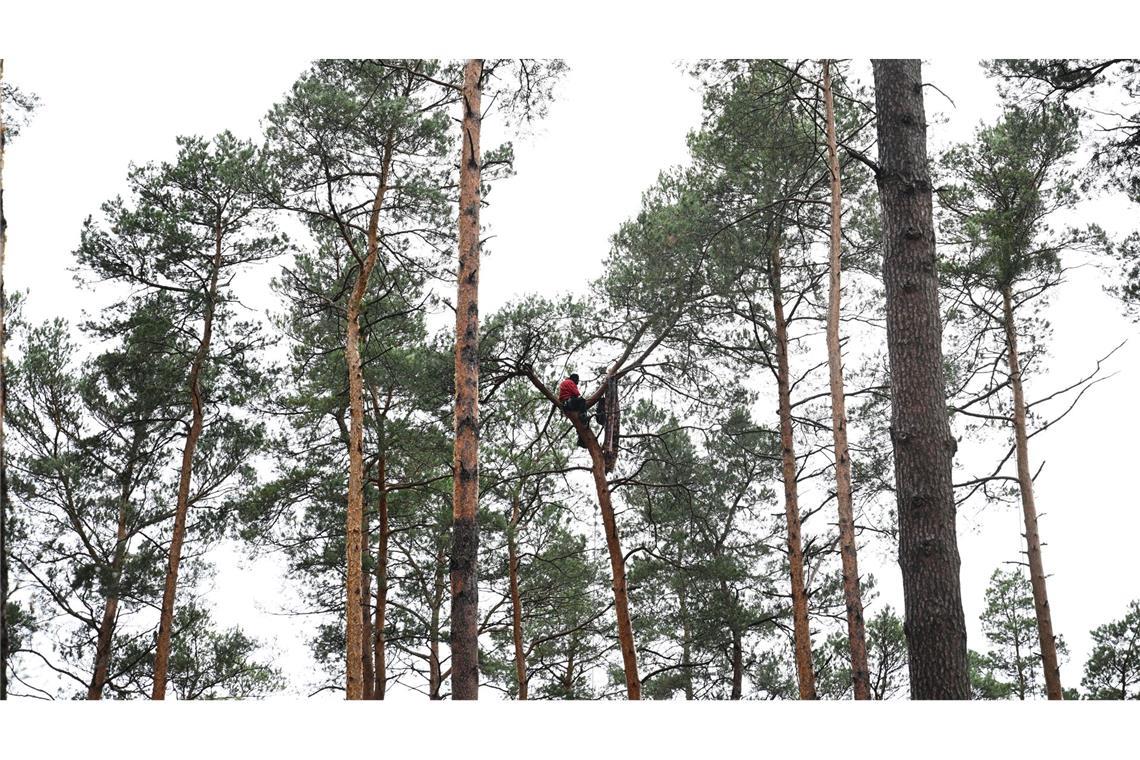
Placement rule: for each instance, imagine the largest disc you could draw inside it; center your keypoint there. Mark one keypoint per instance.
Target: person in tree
(571, 401)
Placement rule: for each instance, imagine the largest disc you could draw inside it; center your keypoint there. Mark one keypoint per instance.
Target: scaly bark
(465, 530)
(182, 506)
(516, 601)
(354, 628)
(4, 644)
(801, 631)
(617, 559)
(1029, 509)
(368, 675)
(920, 430)
(380, 655)
(856, 628)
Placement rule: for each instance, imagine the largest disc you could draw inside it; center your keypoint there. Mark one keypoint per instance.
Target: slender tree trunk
(686, 642)
(617, 559)
(379, 644)
(111, 605)
(516, 600)
(4, 645)
(465, 528)
(801, 630)
(182, 506)
(1029, 509)
(368, 675)
(435, 676)
(920, 430)
(737, 664)
(856, 629)
(354, 628)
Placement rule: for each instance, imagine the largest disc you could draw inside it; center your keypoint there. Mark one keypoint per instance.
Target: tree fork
(856, 628)
(920, 430)
(465, 528)
(1049, 658)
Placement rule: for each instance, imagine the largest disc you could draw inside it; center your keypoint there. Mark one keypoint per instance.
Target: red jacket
(567, 389)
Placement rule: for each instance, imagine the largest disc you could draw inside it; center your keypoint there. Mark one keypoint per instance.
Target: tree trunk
(111, 606)
(368, 675)
(856, 629)
(354, 628)
(737, 664)
(380, 655)
(465, 529)
(3, 406)
(617, 559)
(435, 676)
(920, 430)
(182, 506)
(1029, 509)
(686, 640)
(516, 601)
(801, 630)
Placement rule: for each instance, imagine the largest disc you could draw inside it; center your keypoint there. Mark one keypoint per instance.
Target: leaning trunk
(920, 430)
(354, 628)
(465, 530)
(801, 631)
(856, 633)
(1029, 509)
(617, 559)
(182, 506)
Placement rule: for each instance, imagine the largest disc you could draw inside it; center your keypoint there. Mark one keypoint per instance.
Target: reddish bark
(465, 529)
(166, 618)
(856, 630)
(800, 624)
(1029, 511)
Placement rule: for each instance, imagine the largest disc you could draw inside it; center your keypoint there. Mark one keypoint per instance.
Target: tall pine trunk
(465, 529)
(182, 506)
(800, 625)
(920, 430)
(354, 624)
(516, 600)
(617, 559)
(856, 629)
(3, 407)
(1029, 509)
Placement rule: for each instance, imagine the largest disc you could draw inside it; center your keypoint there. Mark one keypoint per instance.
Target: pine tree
(920, 430)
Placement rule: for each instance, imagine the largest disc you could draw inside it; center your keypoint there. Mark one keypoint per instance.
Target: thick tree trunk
(354, 628)
(516, 601)
(465, 529)
(1029, 509)
(617, 559)
(4, 644)
(856, 629)
(920, 430)
(182, 506)
(801, 630)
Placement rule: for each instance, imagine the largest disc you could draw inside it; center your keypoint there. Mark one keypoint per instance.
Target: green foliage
(1113, 668)
(886, 659)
